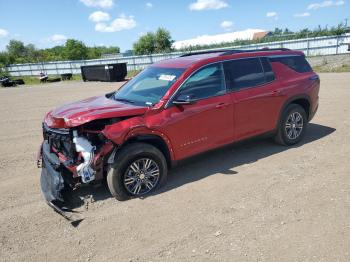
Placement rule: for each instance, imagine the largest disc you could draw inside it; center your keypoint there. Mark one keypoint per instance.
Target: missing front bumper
(53, 186)
(51, 180)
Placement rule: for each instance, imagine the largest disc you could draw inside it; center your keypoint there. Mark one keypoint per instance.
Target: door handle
(276, 92)
(221, 105)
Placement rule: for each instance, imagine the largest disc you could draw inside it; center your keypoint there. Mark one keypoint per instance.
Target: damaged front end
(70, 158)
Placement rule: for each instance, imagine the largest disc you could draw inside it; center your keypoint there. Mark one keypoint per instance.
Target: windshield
(149, 86)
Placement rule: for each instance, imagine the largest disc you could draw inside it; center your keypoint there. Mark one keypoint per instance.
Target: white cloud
(98, 3)
(271, 14)
(99, 16)
(227, 25)
(305, 14)
(208, 5)
(57, 38)
(3, 33)
(121, 23)
(323, 4)
(149, 5)
(315, 6)
(338, 3)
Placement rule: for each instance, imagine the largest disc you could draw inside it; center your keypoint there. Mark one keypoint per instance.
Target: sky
(46, 23)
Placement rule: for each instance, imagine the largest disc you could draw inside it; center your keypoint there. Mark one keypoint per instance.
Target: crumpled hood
(81, 112)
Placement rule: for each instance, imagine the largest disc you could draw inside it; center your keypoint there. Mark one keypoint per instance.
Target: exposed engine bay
(73, 157)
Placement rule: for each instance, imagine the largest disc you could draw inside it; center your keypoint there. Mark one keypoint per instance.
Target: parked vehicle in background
(172, 110)
(6, 81)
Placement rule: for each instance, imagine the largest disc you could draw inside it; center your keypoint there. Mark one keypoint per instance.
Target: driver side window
(206, 82)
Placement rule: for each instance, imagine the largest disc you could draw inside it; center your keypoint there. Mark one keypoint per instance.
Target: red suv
(172, 110)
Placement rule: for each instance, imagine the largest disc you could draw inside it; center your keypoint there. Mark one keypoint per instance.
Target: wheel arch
(303, 100)
(156, 141)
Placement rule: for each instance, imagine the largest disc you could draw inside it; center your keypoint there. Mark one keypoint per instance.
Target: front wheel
(292, 125)
(139, 169)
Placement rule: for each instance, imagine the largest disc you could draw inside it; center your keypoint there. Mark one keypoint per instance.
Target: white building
(248, 34)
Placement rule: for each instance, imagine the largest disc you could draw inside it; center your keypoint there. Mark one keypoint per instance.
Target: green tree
(17, 52)
(277, 31)
(145, 45)
(287, 31)
(163, 40)
(4, 61)
(304, 33)
(16, 48)
(75, 50)
(157, 42)
(98, 51)
(339, 30)
(31, 53)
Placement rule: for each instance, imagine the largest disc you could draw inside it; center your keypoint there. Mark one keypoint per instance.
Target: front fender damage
(119, 132)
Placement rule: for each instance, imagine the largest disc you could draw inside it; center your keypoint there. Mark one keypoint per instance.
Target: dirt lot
(255, 201)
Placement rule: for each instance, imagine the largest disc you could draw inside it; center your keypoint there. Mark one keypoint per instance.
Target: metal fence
(327, 45)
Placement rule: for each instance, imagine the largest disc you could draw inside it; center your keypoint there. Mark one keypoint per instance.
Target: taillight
(314, 77)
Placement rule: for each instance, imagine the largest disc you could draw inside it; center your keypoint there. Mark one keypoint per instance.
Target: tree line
(159, 41)
(17, 52)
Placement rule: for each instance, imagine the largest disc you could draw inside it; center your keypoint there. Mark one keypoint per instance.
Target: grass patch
(132, 73)
(328, 69)
(28, 80)
(34, 80)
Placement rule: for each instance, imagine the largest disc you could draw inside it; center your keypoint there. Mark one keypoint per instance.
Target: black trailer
(105, 73)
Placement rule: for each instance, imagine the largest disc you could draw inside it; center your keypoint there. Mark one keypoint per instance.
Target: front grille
(61, 139)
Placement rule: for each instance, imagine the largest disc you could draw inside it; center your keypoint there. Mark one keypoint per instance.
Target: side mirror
(184, 100)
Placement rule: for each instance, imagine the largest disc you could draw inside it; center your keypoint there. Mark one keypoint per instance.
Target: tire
(285, 131)
(122, 179)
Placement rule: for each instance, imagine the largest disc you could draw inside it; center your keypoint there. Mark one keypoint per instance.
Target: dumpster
(105, 73)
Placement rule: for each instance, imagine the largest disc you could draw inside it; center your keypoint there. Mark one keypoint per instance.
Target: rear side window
(297, 63)
(243, 73)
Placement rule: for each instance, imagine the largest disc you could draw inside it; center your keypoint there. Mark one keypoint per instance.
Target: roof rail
(204, 52)
(234, 51)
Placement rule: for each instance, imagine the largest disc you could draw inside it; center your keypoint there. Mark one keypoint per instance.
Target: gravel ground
(254, 201)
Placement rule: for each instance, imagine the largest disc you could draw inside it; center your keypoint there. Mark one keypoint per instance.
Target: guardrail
(326, 45)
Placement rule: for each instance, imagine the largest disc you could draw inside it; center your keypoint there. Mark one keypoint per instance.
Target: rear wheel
(292, 125)
(139, 169)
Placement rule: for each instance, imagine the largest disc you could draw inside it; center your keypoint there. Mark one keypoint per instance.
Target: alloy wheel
(294, 125)
(141, 176)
